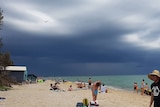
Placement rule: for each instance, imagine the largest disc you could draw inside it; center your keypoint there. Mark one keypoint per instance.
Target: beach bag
(85, 102)
(79, 104)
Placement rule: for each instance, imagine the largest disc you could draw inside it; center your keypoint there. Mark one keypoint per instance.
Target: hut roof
(16, 68)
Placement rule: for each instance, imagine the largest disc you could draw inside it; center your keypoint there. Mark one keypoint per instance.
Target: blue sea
(124, 82)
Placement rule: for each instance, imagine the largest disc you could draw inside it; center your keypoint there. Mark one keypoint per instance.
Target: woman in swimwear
(89, 83)
(95, 87)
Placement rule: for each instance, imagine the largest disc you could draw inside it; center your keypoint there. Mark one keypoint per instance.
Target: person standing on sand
(89, 83)
(155, 87)
(136, 87)
(142, 87)
(94, 89)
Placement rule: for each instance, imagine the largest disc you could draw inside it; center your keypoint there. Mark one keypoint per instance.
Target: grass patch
(4, 88)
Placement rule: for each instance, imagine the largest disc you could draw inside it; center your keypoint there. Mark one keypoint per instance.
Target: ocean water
(124, 82)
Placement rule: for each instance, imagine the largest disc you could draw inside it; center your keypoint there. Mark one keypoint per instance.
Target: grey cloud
(94, 44)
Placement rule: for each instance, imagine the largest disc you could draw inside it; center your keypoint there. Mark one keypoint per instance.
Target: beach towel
(2, 98)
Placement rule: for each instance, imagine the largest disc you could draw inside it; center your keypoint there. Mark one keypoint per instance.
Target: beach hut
(32, 78)
(18, 73)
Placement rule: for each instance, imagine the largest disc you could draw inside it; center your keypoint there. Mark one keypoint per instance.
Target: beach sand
(40, 95)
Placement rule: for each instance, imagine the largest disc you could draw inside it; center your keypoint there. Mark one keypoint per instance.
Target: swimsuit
(96, 92)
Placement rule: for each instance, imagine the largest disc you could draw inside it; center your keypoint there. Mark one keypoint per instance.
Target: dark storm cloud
(68, 54)
(85, 37)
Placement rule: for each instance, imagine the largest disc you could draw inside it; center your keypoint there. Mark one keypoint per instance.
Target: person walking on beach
(96, 85)
(155, 87)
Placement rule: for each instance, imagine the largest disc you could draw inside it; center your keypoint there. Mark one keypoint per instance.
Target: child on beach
(136, 87)
(70, 88)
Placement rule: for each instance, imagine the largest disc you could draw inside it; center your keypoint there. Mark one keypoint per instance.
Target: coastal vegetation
(5, 60)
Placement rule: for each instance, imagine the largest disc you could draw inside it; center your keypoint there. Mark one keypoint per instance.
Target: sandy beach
(40, 95)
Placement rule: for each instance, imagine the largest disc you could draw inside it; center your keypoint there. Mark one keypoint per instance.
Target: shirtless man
(94, 89)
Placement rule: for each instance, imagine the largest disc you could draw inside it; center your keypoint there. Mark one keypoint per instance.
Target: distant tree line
(5, 59)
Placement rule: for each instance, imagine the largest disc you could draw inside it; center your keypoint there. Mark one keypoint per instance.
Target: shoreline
(40, 95)
(125, 82)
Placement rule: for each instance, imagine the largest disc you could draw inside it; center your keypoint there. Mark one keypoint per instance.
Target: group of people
(144, 87)
(155, 88)
(55, 87)
(95, 87)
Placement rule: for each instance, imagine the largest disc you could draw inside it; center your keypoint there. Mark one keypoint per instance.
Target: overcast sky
(82, 37)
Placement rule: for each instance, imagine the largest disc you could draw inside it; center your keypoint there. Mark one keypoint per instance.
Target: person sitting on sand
(55, 87)
(81, 85)
(94, 89)
(147, 91)
(51, 86)
(70, 88)
(146, 86)
(104, 89)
